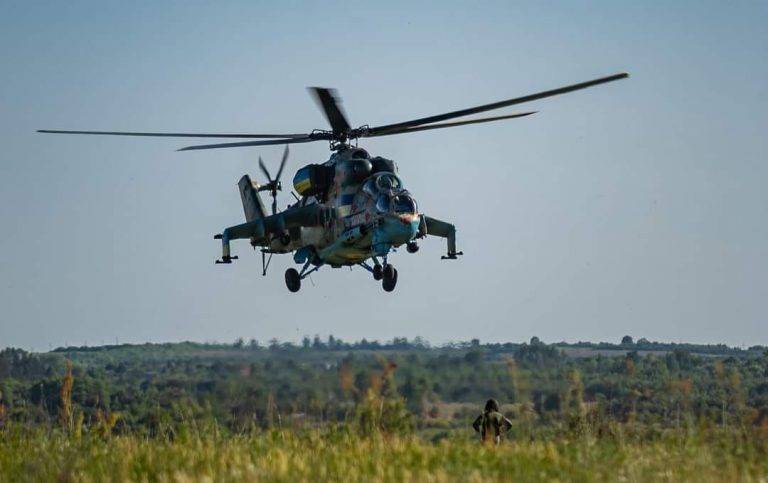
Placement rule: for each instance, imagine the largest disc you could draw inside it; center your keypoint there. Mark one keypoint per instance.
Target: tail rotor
(273, 185)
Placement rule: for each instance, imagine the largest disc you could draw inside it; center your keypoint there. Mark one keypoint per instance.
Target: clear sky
(639, 207)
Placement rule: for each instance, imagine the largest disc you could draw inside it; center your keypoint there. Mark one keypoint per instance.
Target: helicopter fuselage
(372, 211)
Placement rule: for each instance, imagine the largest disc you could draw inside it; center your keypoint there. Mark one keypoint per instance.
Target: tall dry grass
(341, 455)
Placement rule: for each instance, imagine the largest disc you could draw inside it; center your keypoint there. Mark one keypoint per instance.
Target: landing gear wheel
(412, 247)
(292, 280)
(377, 272)
(389, 278)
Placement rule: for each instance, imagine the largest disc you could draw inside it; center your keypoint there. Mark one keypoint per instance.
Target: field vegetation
(383, 412)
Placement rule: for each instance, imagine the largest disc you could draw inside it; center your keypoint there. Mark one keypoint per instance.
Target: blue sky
(635, 208)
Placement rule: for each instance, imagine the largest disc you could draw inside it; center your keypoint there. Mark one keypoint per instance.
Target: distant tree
(306, 342)
(627, 340)
(400, 343)
(473, 356)
(65, 411)
(317, 343)
(239, 343)
(535, 340)
(630, 361)
(538, 355)
(288, 345)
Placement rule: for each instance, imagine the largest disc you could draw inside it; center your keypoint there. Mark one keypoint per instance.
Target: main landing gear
(386, 273)
(293, 278)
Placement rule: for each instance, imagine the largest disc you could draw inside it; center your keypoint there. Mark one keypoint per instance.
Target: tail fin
(252, 204)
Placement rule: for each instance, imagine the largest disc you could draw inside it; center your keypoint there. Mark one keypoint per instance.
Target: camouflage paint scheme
(347, 225)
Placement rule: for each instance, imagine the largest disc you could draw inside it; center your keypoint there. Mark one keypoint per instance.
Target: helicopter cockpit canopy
(382, 183)
(388, 182)
(404, 203)
(401, 203)
(387, 189)
(383, 203)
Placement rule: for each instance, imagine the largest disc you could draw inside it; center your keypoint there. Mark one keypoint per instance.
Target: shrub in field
(382, 410)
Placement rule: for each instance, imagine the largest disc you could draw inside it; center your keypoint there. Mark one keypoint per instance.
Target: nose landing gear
(386, 273)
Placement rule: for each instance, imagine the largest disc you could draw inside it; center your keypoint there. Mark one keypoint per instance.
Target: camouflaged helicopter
(351, 209)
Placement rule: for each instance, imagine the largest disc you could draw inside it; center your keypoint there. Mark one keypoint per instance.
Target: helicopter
(351, 210)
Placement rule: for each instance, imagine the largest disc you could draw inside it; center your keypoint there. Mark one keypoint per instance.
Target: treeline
(153, 386)
(644, 344)
(418, 343)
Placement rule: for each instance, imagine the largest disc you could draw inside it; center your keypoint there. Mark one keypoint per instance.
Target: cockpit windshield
(387, 190)
(404, 204)
(388, 182)
(383, 203)
(382, 183)
(370, 187)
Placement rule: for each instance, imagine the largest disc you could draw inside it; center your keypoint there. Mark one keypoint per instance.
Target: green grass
(311, 455)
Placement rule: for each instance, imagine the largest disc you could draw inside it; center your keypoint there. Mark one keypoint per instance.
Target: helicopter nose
(398, 230)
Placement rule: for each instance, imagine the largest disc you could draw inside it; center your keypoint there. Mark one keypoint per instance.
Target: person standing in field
(491, 423)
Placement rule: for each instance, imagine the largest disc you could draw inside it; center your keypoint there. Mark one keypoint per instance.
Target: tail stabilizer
(252, 204)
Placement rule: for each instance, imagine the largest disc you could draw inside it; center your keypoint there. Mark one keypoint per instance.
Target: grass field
(311, 455)
(301, 417)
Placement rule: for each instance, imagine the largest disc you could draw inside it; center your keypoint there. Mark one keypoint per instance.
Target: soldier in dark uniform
(491, 423)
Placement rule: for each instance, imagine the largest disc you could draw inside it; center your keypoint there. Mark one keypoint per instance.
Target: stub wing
(262, 230)
(435, 227)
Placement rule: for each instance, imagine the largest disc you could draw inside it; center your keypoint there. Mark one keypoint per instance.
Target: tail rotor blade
(264, 170)
(282, 164)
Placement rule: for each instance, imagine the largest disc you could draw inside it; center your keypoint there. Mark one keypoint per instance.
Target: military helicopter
(351, 209)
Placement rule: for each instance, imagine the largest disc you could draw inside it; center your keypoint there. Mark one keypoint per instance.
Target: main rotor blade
(177, 134)
(305, 139)
(282, 164)
(452, 124)
(264, 170)
(329, 102)
(496, 105)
